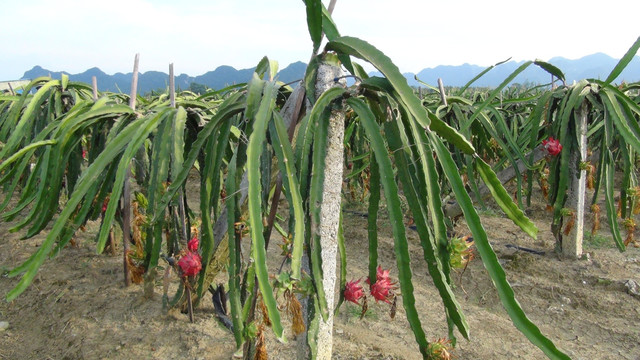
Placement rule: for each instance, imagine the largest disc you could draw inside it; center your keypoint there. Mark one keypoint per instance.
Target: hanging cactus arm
(258, 251)
(489, 258)
(393, 205)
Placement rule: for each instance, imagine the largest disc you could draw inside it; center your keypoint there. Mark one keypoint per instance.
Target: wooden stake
(134, 83)
(94, 83)
(126, 225)
(332, 5)
(172, 87)
(126, 192)
(112, 242)
(572, 244)
(181, 211)
(112, 237)
(189, 300)
(443, 96)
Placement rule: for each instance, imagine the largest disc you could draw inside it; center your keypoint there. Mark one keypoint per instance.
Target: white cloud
(200, 35)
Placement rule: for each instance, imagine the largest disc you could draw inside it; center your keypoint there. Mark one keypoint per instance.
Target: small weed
(604, 282)
(489, 212)
(355, 311)
(597, 241)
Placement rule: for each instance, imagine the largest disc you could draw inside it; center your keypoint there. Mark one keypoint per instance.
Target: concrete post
(331, 205)
(572, 244)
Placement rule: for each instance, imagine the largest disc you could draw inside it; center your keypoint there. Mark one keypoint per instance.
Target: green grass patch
(597, 241)
(355, 311)
(490, 212)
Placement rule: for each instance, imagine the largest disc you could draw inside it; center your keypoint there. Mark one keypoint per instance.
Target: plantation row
(68, 157)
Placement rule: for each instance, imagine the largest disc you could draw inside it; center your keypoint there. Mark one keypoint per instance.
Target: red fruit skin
(353, 291)
(193, 244)
(190, 264)
(552, 146)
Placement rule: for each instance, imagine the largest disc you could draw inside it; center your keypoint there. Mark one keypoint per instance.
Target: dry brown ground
(77, 307)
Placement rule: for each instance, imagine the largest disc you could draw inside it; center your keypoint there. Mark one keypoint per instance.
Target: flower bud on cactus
(353, 291)
(381, 290)
(381, 275)
(190, 264)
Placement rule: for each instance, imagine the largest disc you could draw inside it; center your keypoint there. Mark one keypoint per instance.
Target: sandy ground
(77, 307)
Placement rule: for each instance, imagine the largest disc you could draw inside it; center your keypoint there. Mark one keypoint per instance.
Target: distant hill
(597, 66)
(155, 80)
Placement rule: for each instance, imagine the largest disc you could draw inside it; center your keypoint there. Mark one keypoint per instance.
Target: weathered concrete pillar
(331, 205)
(572, 244)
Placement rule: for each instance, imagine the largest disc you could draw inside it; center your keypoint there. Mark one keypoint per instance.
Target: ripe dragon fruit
(552, 146)
(190, 264)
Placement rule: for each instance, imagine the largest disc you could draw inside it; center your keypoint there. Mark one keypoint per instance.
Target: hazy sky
(200, 35)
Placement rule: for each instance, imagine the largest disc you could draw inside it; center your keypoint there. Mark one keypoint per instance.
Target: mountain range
(596, 66)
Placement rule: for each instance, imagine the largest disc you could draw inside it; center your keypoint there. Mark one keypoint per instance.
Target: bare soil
(78, 308)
